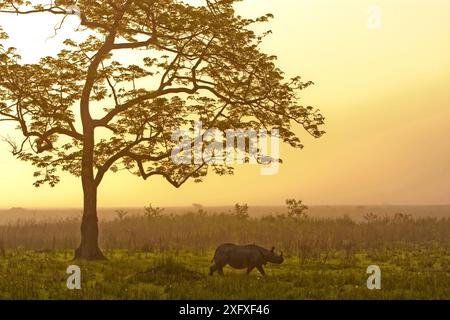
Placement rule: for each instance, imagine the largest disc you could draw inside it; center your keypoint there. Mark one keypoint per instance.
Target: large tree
(88, 111)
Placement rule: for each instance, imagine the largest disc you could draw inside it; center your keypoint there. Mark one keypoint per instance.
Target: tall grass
(307, 238)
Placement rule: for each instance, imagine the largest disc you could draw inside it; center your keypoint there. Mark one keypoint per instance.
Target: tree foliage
(187, 63)
(296, 208)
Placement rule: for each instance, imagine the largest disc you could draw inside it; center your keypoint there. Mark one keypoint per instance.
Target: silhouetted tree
(296, 208)
(151, 212)
(241, 211)
(87, 112)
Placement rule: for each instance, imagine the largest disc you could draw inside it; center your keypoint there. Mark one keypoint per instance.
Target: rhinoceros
(243, 257)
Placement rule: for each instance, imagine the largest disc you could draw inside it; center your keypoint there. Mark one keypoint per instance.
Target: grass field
(183, 275)
(164, 256)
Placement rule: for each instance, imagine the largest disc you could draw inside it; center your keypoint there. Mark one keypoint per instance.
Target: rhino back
(241, 257)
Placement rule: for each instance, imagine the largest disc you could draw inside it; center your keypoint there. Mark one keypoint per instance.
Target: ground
(415, 274)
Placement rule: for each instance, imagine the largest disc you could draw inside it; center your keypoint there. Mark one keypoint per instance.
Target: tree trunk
(89, 249)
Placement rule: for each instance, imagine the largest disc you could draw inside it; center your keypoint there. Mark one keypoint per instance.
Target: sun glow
(384, 92)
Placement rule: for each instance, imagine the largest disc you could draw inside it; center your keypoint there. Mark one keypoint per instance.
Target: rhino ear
(273, 250)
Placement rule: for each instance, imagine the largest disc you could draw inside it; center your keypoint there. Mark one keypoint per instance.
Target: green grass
(406, 274)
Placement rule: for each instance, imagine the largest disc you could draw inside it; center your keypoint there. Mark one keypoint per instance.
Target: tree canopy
(203, 61)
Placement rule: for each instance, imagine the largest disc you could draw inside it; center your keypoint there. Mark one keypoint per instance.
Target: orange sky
(385, 94)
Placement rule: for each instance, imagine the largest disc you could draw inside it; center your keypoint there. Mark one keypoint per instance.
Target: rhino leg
(261, 270)
(250, 269)
(212, 269)
(216, 267)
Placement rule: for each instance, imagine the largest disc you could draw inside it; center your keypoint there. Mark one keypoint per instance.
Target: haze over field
(106, 214)
(384, 93)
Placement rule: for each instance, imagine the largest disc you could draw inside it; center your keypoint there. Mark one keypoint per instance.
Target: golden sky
(385, 94)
